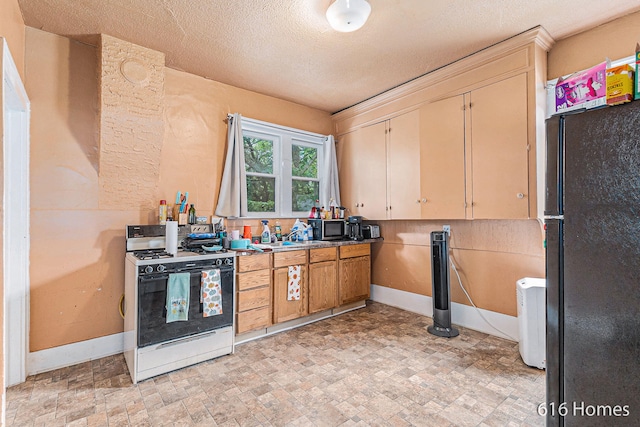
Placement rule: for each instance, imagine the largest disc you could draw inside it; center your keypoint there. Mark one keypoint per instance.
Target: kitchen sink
(288, 244)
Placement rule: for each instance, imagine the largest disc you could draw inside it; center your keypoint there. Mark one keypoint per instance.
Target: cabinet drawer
(322, 254)
(253, 262)
(254, 298)
(351, 251)
(253, 319)
(253, 279)
(285, 259)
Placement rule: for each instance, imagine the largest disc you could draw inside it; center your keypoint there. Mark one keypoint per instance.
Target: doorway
(15, 226)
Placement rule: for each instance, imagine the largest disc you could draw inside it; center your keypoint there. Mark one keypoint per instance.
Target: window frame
(284, 138)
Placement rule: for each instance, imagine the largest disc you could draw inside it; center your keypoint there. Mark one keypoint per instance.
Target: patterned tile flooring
(375, 366)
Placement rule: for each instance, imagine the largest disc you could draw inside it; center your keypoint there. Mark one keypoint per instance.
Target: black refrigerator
(592, 221)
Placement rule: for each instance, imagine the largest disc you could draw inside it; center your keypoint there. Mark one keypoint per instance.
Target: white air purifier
(532, 321)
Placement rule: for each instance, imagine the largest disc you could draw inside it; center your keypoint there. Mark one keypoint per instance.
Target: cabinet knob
(357, 205)
(424, 200)
(362, 205)
(520, 196)
(418, 201)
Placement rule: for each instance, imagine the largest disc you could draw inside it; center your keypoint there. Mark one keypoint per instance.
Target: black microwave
(327, 229)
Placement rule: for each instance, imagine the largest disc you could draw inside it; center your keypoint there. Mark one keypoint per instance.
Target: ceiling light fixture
(348, 15)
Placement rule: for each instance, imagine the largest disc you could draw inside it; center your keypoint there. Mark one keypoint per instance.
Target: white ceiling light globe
(348, 15)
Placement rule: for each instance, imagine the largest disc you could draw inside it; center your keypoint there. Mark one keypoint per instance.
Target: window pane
(305, 161)
(304, 194)
(258, 155)
(261, 194)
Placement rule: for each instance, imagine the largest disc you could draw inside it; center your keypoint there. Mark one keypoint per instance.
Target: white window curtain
(330, 184)
(233, 186)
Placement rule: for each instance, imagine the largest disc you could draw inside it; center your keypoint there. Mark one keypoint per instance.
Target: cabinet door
(323, 289)
(403, 166)
(354, 279)
(442, 161)
(362, 170)
(499, 150)
(283, 309)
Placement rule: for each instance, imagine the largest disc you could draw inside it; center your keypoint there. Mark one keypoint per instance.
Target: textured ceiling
(286, 48)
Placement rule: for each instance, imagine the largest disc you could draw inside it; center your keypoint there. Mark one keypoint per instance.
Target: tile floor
(376, 366)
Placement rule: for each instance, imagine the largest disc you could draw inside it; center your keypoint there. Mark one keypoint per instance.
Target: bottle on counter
(192, 214)
(162, 212)
(266, 233)
(317, 210)
(278, 230)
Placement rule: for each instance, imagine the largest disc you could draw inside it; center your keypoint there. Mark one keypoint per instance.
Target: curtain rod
(273, 125)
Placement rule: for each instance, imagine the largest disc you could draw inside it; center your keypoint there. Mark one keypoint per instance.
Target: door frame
(15, 226)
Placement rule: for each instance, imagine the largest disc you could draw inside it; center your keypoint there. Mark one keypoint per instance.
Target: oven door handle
(165, 276)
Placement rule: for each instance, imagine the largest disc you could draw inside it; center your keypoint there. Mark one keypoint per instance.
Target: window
(282, 169)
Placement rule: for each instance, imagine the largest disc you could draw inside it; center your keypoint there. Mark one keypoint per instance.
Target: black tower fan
(441, 286)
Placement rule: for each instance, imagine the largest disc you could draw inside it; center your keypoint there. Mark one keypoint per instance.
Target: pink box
(584, 89)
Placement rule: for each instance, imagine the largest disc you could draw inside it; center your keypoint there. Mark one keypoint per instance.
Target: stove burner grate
(152, 254)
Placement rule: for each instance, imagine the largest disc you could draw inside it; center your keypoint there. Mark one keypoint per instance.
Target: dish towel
(178, 297)
(211, 293)
(293, 287)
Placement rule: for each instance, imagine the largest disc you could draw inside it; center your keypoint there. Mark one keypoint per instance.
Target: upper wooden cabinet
(362, 170)
(442, 161)
(474, 152)
(378, 165)
(403, 166)
(499, 149)
(463, 142)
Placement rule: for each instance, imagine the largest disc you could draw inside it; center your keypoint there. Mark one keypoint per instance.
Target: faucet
(293, 233)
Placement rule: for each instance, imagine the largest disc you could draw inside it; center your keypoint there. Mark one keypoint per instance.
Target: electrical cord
(474, 305)
(121, 306)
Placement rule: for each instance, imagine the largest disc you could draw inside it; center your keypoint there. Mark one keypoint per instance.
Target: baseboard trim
(72, 354)
(461, 314)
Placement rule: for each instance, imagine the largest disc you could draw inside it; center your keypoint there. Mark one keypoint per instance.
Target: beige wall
(12, 30)
(614, 40)
(196, 130)
(77, 246)
(489, 255)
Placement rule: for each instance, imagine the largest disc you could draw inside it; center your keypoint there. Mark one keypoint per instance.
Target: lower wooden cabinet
(253, 298)
(323, 279)
(283, 308)
(354, 273)
(329, 277)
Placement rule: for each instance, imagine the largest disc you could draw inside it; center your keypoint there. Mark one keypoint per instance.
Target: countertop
(308, 244)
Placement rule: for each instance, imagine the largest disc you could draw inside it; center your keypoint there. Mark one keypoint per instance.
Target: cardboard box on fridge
(584, 89)
(619, 84)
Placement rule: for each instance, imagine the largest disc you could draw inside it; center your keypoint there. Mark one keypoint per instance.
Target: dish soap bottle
(266, 233)
(278, 230)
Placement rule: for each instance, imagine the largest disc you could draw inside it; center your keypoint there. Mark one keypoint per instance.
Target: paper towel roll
(171, 237)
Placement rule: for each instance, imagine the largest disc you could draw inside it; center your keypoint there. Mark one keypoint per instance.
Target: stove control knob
(228, 261)
(218, 262)
(148, 269)
(161, 268)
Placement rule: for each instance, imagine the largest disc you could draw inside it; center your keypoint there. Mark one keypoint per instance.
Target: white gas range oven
(152, 344)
